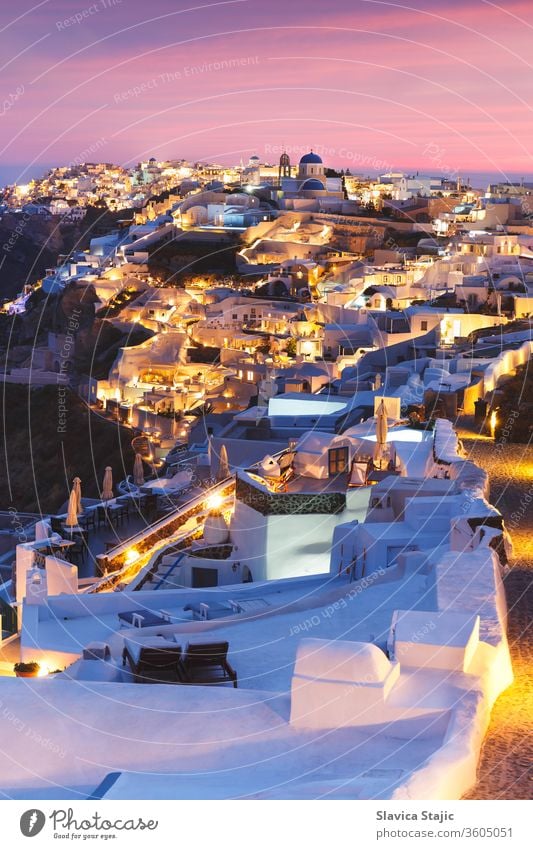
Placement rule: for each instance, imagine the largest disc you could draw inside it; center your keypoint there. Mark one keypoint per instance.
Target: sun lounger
(206, 663)
(249, 605)
(213, 610)
(143, 618)
(153, 659)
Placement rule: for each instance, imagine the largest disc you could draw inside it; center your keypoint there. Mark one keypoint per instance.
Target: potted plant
(26, 670)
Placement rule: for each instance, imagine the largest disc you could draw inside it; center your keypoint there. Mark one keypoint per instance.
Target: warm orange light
(214, 501)
(132, 556)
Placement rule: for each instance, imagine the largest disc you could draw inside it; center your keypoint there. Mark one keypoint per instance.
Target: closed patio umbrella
(107, 487)
(382, 427)
(76, 485)
(72, 512)
(223, 465)
(138, 471)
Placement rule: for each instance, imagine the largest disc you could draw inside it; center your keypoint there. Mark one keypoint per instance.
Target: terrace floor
(262, 644)
(100, 539)
(105, 537)
(310, 485)
(172, 741)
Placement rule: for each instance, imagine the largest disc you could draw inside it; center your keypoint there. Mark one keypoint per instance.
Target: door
(204, 577)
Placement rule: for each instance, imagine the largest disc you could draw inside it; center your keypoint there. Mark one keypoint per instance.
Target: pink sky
(372, 85)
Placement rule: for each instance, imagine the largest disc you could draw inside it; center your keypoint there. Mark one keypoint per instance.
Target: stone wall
(285, 503)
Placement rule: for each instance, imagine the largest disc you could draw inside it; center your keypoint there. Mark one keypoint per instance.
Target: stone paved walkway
(506, 765)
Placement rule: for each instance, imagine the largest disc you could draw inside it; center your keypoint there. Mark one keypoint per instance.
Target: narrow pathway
(506, 765)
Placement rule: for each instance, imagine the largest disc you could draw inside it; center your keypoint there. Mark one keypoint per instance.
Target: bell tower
(284, 167)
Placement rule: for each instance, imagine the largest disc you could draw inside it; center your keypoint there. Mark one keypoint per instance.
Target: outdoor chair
(56, 525)
(101, 515)
(123, 505)
(88, 520)
(206, 663)
(108, 515)
(115, 513)
(78, 551)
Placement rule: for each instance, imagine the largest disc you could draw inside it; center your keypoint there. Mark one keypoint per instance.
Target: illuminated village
(303, 526)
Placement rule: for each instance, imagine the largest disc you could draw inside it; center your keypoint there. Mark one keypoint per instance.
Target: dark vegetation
(185, 258)
(38, 463)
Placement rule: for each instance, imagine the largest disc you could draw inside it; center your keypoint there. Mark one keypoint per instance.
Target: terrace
(395, 750)
(115, 540)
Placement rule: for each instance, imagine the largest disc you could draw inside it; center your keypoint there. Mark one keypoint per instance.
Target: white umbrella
(107, 487)
(76, 486)
(138, 471)
(223, 465)
(72, 513)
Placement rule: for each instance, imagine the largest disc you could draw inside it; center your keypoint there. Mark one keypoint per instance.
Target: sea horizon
(18, 173)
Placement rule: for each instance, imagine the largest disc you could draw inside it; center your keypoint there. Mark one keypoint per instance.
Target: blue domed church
(310, 184)
(311, 169)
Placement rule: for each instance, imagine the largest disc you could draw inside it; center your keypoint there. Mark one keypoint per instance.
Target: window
(394, 551)
(385, 278)
(250, 376)
(423, 325)
(234, 316)
(398, 278)
(338, 460)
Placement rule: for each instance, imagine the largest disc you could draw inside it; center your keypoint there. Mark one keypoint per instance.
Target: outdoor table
(73, 529)
(63, 546)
